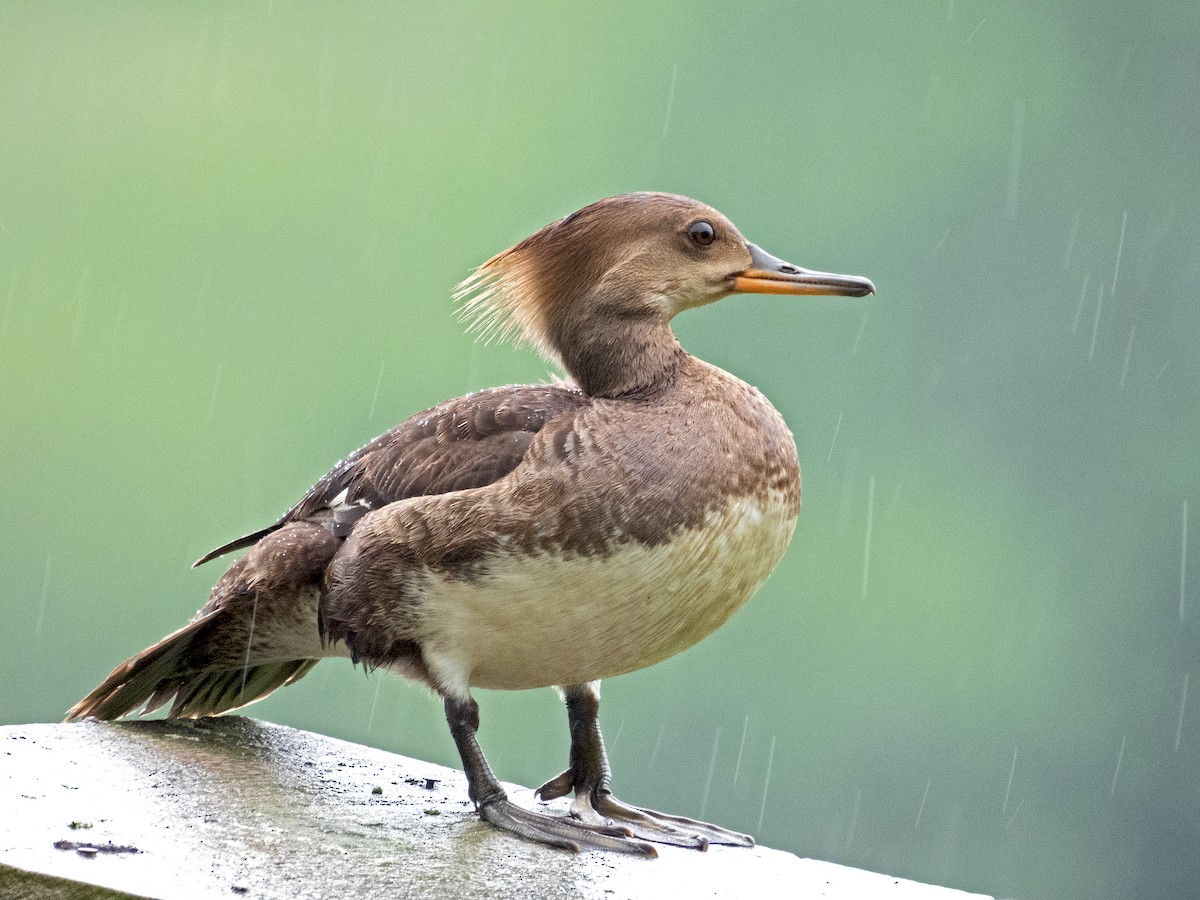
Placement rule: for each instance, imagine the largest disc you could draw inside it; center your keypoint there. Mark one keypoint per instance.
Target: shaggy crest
(498, 301)
(520, 290)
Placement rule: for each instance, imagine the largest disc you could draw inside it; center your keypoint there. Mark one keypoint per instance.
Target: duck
(529, 536)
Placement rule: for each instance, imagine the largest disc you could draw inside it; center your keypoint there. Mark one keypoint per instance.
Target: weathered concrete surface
(233, 807)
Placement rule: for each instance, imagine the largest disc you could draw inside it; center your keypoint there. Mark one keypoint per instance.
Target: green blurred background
(228, 233)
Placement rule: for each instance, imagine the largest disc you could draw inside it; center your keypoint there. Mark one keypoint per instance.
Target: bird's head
(595, 291)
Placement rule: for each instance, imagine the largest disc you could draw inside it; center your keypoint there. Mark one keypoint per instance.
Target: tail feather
(247, 540)
(168, 671)
(219, 692)
(258, 631)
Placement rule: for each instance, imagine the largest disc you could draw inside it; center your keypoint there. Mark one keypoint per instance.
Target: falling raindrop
(1013, 817)
(670, 100)
(374, 701)
(657, 744)
(249, 641)
(1120, 246)
(1011, 772)
(712, 764)
(375, 396)
(1071, 235)
(741, 747)
(1117, 771)
(941, 241)
(1183, 563)
(1128, 350)
(921, 808)
(762, 809)
(1182, 708)
(1096, 320)
(1079, 305)
(853, 821)
(616, 737)
(862, 325)
(971, 37)
(867, 547)
(836, 428)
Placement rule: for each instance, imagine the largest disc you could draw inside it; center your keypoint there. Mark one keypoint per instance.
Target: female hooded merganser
(531, 535)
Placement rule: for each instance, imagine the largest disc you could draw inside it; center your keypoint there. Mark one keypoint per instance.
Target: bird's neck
(620, 357)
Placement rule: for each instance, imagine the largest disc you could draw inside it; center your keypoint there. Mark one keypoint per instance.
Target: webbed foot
(594, 804)
(569, 833)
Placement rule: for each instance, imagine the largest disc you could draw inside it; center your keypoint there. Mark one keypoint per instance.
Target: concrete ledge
(233, 807)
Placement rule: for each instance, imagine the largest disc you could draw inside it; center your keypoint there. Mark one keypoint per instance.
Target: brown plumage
(529, 536)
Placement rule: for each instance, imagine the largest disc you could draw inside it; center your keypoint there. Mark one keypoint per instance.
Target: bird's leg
(589, 777)
(494, 806)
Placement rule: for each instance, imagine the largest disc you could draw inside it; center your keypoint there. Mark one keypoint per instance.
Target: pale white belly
(543, 620)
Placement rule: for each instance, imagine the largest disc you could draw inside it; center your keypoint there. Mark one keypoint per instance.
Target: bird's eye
(702, 233)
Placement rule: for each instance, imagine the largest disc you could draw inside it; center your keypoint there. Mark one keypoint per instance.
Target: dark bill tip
(768, 274)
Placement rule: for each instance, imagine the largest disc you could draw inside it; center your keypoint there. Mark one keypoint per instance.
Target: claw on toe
(556, 787)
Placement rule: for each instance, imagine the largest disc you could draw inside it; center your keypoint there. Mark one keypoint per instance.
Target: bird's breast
(547, 618)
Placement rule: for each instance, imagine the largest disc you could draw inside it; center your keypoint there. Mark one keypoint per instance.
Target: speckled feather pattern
(619, 513)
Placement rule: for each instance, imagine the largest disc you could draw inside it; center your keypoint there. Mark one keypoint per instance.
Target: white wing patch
(346, 514)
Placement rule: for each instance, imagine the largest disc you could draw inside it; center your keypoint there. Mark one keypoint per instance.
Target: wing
(463, 443)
